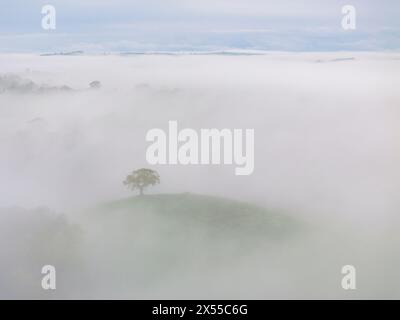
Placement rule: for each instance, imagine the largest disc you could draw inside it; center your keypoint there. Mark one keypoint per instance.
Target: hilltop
(186, 213)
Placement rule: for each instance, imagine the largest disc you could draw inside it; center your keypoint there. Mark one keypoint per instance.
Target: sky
(177, 25)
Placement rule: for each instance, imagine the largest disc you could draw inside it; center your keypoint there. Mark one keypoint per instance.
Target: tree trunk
(140, 191)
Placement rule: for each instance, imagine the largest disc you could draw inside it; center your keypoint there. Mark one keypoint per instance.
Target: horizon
(204, 26)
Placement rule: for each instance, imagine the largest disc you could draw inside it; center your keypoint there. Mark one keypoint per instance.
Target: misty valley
(268, 174)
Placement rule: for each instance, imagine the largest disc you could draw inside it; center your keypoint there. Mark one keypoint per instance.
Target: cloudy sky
(176, 25)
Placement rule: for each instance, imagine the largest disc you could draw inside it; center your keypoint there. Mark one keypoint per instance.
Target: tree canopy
(141, 179)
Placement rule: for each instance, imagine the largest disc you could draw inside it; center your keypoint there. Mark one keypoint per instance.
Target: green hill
(154, 239)
(190, 213)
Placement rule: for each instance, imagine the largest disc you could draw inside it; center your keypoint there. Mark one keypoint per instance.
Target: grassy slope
(155, 240)
(212, 215)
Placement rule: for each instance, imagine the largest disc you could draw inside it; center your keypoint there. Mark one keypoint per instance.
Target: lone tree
(142, 178)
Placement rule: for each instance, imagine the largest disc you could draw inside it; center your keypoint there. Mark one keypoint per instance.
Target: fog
(326, 153)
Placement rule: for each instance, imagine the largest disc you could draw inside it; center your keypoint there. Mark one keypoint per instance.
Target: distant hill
(69, 53)
(196, 214)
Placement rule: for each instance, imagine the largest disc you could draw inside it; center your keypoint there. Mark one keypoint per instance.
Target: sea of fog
(327, 152)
